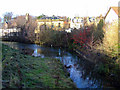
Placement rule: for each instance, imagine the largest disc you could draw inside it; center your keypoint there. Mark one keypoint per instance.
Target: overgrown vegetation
(110, 65)
(54, 38)
(110, 41)
(100, 44)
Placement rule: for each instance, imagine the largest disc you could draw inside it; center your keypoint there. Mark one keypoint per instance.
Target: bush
(110, 40)
(52, 37)
(98, 33)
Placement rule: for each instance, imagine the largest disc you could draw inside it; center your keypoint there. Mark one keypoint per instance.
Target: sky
(68, 8)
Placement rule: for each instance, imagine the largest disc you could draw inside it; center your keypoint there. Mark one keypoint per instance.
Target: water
(80, 70)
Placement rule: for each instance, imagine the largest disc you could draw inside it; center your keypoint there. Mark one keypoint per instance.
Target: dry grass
(110, 41)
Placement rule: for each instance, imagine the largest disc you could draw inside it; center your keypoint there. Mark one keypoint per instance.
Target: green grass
(32, 72)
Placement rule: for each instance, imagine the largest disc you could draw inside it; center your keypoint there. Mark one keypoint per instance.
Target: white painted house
(76, 22)
(9, 32)
(112, 15)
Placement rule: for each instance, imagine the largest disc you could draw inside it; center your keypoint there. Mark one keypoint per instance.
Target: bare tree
(8, 16)
(20, 21)
(27, 27)
(30, 28)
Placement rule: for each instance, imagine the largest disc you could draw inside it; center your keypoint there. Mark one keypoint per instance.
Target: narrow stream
(80, 70)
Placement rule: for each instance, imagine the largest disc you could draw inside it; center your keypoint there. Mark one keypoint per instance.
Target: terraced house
(54, 23)
(51, 23)
(83, 22)
(77, 22)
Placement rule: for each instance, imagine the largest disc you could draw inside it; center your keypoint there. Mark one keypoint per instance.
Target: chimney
(27, 17)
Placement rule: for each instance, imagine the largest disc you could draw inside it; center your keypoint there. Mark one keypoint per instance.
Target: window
(58, 24)
(77, 20)
(52, 25)
(15, 34)
(69, 25)
(35, 34)
(25, 34)
(73, 20)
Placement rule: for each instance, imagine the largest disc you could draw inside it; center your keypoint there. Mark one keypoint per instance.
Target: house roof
(115, 9)
(45, 17)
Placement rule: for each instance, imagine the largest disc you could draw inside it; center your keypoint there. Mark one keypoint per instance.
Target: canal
(80, 70)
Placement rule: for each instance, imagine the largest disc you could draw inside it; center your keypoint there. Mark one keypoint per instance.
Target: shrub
(52, 37)
(110, 41)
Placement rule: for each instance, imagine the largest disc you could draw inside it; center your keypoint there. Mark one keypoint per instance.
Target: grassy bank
(25, 71)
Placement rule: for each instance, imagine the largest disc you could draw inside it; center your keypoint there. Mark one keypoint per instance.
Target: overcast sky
(69, 8)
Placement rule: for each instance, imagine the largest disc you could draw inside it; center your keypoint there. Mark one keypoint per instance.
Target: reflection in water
(76, 76)
(80, 70)
(78, 73)
(36, 54)
(59, 52)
